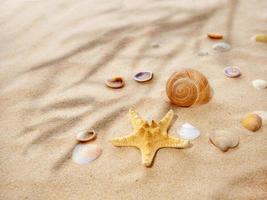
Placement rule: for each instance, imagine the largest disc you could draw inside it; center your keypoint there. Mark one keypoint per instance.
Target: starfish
(149, 137)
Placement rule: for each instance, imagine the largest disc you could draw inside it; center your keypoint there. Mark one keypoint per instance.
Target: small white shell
(85, 153)
(84, 136)
(232, 72)
(221, 46)
(259, 84)
(188, 132)
(143, 76)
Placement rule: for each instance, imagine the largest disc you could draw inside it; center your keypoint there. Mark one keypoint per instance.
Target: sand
(54, 59)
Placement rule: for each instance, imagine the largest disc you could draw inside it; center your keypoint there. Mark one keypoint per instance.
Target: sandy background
(54, 58)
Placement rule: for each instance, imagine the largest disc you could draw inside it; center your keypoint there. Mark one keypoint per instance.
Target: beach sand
(54, 59)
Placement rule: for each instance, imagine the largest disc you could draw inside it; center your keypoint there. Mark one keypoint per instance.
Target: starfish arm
(174, 142)
(165, 122)
(124, 141)
(148, 156)
(137, 122)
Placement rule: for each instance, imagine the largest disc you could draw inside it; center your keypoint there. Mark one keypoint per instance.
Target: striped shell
(188, 87)
(252, 122)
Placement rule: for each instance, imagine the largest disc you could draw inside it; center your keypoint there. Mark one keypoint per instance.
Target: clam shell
(224, 140)
(115, 82)
(221, 46)
(188, 87)
(232, 72)
(252, 122)
(261, 38)
(259, 84)
(85, 153)
(143, 76)
(188, 132)
(215, 36)
(84, 136)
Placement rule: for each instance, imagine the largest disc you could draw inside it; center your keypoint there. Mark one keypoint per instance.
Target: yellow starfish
(150, 137)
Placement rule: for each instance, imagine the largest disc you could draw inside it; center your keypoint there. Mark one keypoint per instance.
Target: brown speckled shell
(188, 87)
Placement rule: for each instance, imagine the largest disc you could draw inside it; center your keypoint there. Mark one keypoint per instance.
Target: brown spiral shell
(188, 87)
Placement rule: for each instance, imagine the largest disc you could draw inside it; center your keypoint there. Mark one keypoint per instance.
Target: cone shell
(188, 87)
(252, 122)
(224, 140)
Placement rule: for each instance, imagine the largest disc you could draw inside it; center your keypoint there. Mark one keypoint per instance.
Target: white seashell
(259, 84)
(85, 153)
(143, 76)
(221, 46)
(188, 132)
(232, 72)
(84, 136)
(224, 140)
(263, 115)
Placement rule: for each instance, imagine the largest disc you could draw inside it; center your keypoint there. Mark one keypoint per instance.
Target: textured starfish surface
(150, 137)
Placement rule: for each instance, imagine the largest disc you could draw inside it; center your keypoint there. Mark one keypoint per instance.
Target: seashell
(259, 84)
(261, 38)
(85, 153)
(224, 140)
(232, 72)
(263, 116)
(84, 136)
(221, 47)
(252, 122)
(188, 132)
(215, 36)
(188, 87)
(115, 82)
(143, 76)
(203, 53)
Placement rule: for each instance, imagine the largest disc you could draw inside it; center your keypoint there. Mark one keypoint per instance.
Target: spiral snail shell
(188, 87)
